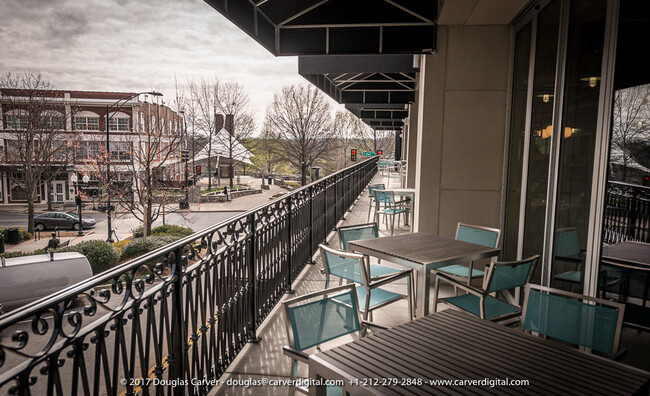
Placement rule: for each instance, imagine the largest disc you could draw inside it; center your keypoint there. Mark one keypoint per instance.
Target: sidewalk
(236, 205)
(32, 245)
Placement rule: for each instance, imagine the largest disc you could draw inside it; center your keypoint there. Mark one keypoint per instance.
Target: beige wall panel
(478, 58)
(472, 146)
(472, 207)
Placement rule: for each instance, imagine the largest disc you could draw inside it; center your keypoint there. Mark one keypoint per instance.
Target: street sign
(368, 154)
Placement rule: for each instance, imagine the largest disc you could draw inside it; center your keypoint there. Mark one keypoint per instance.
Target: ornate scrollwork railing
(627, 213)
(177, 315)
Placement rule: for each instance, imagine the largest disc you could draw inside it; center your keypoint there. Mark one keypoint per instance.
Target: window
(88, 150)
(142, 122)
(120, 151)
(118, 124)
(14, 149)
(17, 121)
(51, 120)
(86, 123)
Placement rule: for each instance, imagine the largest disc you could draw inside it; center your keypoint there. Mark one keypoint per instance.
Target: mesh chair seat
(461, 271)
(378, 297)
(392, 211)
(332, 390)
(494, 308)
(348, 269)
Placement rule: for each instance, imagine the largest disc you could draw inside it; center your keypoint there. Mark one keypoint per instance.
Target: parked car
(61, 220)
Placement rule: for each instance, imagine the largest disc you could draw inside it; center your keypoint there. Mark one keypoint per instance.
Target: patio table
(423, 252)
(453, 345)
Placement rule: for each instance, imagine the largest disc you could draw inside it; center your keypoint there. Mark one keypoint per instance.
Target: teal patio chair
(479, 235)
(369, 290)
(580, 320)
(387, 206)
(371, 194)
(316, 318)
(500, 277)
(567, 249)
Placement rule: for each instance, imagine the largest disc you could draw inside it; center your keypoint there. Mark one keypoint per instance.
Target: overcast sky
(136, 45)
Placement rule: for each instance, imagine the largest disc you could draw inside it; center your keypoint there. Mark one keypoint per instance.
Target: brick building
(78, 118)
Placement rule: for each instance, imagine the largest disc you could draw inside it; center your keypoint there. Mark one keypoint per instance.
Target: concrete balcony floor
(264, 360)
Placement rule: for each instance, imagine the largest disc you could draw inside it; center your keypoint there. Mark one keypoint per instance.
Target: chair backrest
(479, 235)
(586, 321)
(356, 232)
(566, 242)
(373, 187)
(509, 274)
(346, 265)
(316, 318)
(384, 197)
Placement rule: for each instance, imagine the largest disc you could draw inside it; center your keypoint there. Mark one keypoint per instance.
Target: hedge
(139, 246)
(164, 230)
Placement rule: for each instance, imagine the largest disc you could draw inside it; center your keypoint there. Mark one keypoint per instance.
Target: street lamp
(118, 105)
(78, 199)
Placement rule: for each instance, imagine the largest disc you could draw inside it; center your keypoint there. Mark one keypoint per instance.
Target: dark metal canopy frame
(179, 314)
(324, 27)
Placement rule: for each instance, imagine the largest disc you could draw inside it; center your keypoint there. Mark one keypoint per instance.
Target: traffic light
(77, 200)
(184, 155)
(378, 152)
(198, 169)
(353, 155)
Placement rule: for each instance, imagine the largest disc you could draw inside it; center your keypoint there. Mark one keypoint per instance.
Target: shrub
(23, 234)
(101, 255)
(172, 230)
(138, 246)
(120, 245)
(138, 232)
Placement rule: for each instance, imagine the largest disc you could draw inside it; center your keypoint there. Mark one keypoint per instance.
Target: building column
(411, 146)
(461, 118)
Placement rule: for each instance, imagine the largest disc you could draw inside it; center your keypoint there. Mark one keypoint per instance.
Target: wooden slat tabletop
(453, 345)
(422, 248)
(633, 253)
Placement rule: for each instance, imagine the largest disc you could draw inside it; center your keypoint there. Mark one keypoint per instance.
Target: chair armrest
(388, 279)
(373, 326)
(463, 286)
(620, 355)
(295, 354)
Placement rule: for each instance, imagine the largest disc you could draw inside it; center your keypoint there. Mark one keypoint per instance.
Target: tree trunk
(147, 213)
(231, 171)
(49, 195)
(30, 215)
(303, 174)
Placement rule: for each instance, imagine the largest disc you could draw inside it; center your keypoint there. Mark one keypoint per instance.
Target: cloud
(122, 45)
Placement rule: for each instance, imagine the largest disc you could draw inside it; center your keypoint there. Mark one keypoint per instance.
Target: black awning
(321, 27)
(376, 88)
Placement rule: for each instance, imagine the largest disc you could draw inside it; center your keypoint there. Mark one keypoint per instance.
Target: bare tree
(35, 118)
(267, 152)
(204, 96)
(234, 101)
(631, 110)
(349, 131)
(299, 117)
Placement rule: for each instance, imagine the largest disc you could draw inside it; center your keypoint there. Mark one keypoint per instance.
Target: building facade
(78, 119)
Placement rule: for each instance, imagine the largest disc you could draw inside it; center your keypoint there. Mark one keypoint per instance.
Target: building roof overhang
(320, 27)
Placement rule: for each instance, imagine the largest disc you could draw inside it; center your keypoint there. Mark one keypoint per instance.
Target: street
(126, 222)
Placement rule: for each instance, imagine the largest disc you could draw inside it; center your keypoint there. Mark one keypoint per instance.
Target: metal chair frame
(297, 355)
(371, 194)
(583, 298)
(370, 283)
(395, 205)
(483, 293)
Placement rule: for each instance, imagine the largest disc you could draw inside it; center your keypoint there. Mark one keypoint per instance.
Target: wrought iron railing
(171, 321)
(627, 213)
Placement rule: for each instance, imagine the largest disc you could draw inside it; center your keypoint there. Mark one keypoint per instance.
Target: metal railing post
(289, 247)
(253, 278)
(177, 355)
(311, 224)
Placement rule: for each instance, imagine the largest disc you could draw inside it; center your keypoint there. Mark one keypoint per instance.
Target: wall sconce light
(545, 97)
(548, 132)
(593, 81)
